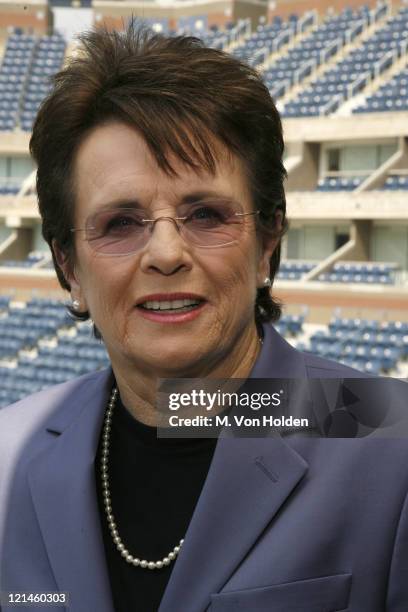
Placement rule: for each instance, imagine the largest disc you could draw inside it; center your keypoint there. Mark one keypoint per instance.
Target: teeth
(168, 305)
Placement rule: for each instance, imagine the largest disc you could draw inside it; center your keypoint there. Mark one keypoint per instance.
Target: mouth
(165, 305)
(170, 306)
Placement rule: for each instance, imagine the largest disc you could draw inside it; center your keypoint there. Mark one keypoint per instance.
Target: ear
(268, 246)
(69, 273)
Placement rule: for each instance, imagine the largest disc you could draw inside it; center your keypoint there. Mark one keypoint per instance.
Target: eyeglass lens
(122, 231)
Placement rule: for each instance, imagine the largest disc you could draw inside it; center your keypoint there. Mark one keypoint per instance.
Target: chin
(178, 361)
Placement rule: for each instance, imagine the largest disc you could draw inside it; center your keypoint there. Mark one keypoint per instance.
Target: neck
(138, 389)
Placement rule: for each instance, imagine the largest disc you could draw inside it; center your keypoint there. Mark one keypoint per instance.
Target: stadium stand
(396, 182)
(40, 345)
(336, 183)
(13, 75)
(290, 325)
(367, 345)
(215, 37)
(312, 51)
(345, 272)
(355, 71)
(294, 270)
(270, 38)
(27, 63)
(342, 272)
(4, 303)
(34, 260)
(47, 59)
(8, 188)
(391, 96)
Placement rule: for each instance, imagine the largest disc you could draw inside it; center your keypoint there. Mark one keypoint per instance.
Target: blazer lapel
(62, 486)
(248, 481)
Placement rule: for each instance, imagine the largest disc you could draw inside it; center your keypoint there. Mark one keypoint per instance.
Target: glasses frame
(150, 224)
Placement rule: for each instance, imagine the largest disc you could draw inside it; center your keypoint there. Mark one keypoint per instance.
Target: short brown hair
(176, 92)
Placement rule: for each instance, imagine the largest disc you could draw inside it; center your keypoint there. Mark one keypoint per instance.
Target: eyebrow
(191, 198)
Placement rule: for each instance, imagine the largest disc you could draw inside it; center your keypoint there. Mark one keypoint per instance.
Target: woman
(160, 189)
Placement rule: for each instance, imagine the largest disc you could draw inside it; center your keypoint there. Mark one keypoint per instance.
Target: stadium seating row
(33, 259)
(342, 272)
(368, 345)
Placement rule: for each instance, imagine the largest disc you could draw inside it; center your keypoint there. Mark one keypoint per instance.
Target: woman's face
(114, 164)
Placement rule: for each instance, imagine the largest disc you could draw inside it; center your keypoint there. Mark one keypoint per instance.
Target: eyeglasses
(123, 231)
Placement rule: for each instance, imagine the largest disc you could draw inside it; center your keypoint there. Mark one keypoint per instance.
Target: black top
(155, 484)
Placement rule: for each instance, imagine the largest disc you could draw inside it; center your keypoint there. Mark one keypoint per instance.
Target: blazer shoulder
(315, 364)
(32, 413)
(30, 426)
(282, 358)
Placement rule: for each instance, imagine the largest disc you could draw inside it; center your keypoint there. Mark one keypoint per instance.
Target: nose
(166, 252)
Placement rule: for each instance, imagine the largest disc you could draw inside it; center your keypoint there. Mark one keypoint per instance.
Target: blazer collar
(278, 359)
(248, 481)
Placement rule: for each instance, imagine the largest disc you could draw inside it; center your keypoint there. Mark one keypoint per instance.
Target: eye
(208, 216)
(122, 223)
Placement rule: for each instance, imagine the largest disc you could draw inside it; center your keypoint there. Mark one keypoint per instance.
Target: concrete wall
(304, 175)
(22, 283)
(4, 233)
(253, 10)
(389, 242)
(112, 14)
(315, 205)
(402, 163)
(372, 126)
(39, 243)
(20, 248)
(31, 15)
(385, 303)
(14, 143)
(360, 232)
(284, 8)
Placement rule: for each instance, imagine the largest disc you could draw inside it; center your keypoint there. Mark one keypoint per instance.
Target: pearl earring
(267, 282)
(76, 304)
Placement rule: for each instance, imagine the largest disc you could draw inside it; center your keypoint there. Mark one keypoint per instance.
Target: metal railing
(309, 19)
(304, 71)
(330, 50)
(332, 105)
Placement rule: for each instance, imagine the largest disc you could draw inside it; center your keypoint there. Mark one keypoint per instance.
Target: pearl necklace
(108, 504)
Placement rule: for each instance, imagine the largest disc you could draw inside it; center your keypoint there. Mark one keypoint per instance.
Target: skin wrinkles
(114, 162)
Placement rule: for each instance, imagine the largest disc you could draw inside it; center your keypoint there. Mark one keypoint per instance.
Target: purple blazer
(283, 524)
